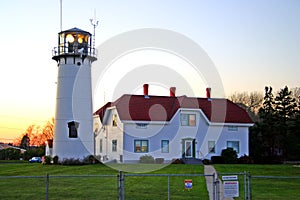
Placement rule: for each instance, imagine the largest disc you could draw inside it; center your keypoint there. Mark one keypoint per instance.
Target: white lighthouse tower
(73, 132)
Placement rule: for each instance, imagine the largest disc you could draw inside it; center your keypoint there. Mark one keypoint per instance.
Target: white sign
(231, 188)
(230, 178)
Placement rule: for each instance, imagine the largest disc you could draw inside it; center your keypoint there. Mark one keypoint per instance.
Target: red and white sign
(231, 188)
(188, 184)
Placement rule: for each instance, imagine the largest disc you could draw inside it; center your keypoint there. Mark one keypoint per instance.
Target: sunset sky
(252, 44)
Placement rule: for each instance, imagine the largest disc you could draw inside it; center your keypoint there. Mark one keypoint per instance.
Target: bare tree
(251, 102)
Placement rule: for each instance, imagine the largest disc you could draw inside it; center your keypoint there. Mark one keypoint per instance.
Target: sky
(252, 44)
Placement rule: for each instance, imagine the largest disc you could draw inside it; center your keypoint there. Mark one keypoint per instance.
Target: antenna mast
(94, 23)
(60, 12)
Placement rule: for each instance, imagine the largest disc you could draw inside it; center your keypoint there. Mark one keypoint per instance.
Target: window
(114, 145)
(165, 146)
(211, 147)
(140, 146)
(188, 119)
(232, 128)
(101, 145)
(114, 120)
(234, 144)
(73, 126)
(141, 125)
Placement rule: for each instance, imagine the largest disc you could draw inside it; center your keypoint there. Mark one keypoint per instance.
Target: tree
(25, 142)
(285, 104)
(264, 135)
(276, 136)
(48, 130)
(286, 110)
(250, 102)
(36, 136)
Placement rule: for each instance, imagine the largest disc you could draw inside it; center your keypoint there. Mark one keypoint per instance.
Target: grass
(71, 182)
(87, 182)
(280, 181)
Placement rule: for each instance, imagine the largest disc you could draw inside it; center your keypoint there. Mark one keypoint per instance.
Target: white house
(169, 127)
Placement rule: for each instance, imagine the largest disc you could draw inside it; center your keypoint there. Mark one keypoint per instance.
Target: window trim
(234, 141)
(141, 125)
(187, 122)
(211, 149)
(114, 147)
(73, 129)
(165, 149)
(232, 128)
(101, 145)
(141, 146)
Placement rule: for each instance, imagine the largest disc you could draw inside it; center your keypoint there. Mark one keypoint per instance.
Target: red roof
(163, 108)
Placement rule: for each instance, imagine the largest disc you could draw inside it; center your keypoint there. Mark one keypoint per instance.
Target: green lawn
(280, 181)
(92, 182)
(72, 182)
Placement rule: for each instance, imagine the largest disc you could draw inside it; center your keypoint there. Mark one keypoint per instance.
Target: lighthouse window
(114, 120)
(73, 127)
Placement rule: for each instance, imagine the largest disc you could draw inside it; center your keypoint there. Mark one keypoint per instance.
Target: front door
(188, 148)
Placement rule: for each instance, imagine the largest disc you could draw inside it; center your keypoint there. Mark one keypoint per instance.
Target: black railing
(79, 50)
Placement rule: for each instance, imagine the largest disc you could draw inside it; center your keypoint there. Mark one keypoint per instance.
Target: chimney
(208, 91)
(172, 91)
(146, 86)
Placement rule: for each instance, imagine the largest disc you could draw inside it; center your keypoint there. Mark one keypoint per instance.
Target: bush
(245, 160)
(47, 160)
(146, 159)
(206, 162)
(159, 160)
(34, 152)
(71, 161)
(10, 154)
(177, 161)
(217, 160)
(55, 160)
(229, 156)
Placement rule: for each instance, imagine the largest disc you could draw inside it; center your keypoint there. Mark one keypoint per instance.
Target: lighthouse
(73, 126)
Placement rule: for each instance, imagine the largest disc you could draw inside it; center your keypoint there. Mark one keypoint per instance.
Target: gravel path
(209, 169)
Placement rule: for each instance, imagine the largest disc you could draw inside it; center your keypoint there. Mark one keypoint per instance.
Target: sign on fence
(230, 186)
(188, 184)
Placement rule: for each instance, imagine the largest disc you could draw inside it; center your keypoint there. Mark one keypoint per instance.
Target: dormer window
(141, 125)
(188, 119)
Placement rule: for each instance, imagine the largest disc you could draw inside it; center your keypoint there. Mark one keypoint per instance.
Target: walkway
(209, 169)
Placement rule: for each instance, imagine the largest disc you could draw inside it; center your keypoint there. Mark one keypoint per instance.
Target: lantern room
(74, 42)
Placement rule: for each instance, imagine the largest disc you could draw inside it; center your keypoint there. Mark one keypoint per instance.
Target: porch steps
(192, 161)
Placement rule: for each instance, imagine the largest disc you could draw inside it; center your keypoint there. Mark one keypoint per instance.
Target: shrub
(71, 161)
(230, 156)
(146, 159)
(245, 160)
(55, 160)
(206, 162)
(47, 160)
(159, 160)
(217, 160)
(10, 154)
(177, 161)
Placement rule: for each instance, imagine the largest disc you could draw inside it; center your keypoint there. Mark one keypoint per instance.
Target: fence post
(249, 186)
(214, 186)
(121, 185)
(245, 185)
(168, 187)
(47, 186)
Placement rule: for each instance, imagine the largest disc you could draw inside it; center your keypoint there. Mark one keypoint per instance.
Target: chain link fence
(149, 186)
